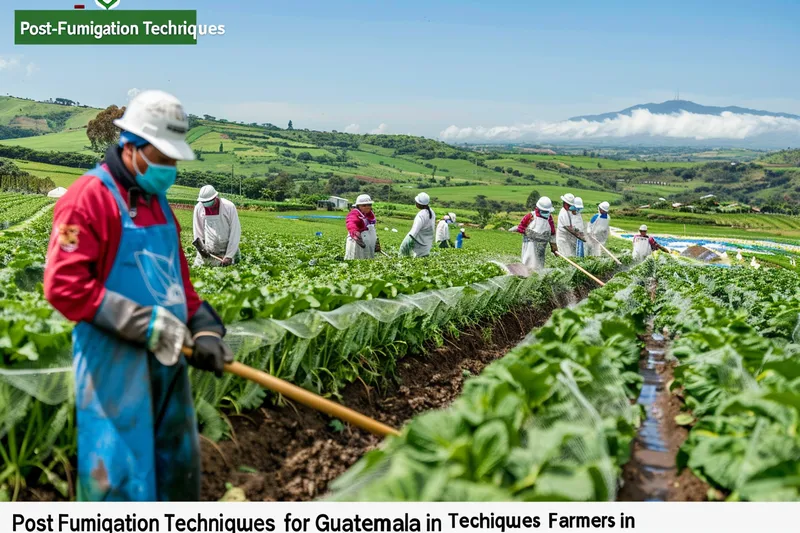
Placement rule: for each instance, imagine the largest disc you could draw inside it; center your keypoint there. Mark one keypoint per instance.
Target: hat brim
(179, 150)
(567, 201)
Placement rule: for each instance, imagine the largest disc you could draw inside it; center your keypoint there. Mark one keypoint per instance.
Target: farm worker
(462, 234)
(598, 230)
(419, 240)
(362, 238)
(443, 230)
(216, 228)
(116, 267)
(644, 245)
(577, 220)
(538, 231)
(566, 233)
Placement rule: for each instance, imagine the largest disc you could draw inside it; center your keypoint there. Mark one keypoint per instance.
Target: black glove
(201, 248)
(377, 246)
(210, 353)
(360, 242)
(227, 261)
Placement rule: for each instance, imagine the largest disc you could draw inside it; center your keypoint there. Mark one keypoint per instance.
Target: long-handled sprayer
(309, 399)
(605, 250)
(581, 269)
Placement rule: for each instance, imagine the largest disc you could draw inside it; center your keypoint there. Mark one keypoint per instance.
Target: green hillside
(268, 163)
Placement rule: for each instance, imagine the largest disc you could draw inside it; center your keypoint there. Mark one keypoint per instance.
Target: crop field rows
(429, 347)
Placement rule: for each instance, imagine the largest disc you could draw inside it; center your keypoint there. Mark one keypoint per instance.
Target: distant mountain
(676, 106)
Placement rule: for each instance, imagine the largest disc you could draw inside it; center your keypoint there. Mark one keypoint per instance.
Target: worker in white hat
(443, 231)
(644, 245)
(115, 266)
(419, 240)
(362, 238)
(566, 232)
(217, 231)
(538, 231)
(597, 233)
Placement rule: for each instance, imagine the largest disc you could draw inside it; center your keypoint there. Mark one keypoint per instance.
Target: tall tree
(533, 197)
(101, 130)
(290, 125)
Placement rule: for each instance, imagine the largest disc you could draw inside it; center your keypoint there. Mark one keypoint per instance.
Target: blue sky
(421, 66)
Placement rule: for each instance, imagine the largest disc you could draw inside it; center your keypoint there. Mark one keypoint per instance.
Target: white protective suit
(598, 232)
(641, 248)
(220, 234)
(370, 237)
(442, 231)
(422, 232)
(535, 242)
(565, 240)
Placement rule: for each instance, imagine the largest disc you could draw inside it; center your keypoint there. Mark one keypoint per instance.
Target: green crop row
(735, 334)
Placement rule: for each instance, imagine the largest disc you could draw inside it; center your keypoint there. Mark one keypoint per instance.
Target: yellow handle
(309, 399)
(581, 269)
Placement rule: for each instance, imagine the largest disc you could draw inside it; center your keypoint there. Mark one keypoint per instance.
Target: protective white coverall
(565, 240)
(220, 234)
(422, 232)
(443, 231)
(369, 236)
(642, 247)
(598, 232)
(536, 239)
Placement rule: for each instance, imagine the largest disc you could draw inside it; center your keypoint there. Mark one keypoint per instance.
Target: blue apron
(579, 249)
(137, 428)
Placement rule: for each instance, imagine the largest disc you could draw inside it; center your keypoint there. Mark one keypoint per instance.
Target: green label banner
(109, 27)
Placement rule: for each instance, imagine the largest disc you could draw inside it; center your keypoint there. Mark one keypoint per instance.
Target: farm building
(334, 202)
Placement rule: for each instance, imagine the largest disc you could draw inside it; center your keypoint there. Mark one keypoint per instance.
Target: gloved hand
(201, 248)
(161, 332)
(377, 246)
(553, 248)
(360, 242)
(227, 261)
(407, 246)
(210, 352)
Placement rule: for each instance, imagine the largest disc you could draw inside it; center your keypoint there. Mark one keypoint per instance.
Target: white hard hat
(452, 216)
(363, 199)
(207, 193)
(604, 206)
(159, 118)
(423, 199)
(578, 202)
(568, 198)
(544, 204)
(643, 227)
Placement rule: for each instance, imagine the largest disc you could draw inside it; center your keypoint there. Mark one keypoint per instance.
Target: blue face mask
(157, 179)
(544, 214)
(209, 204)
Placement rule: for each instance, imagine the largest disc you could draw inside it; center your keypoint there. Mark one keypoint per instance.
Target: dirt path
(292, 453)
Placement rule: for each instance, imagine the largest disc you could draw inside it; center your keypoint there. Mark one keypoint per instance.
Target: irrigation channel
(651, 474)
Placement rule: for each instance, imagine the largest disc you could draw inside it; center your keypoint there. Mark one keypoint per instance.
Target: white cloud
(132, 93)
(383, 128)
(641, 122)
(31, 69)
(352, 128)
(9, 63)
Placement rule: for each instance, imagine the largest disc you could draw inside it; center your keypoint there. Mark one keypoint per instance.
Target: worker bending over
(644, 245)
(362, 238)
(116, 267)
(443, 231)
(538, 231)
(566, 234)
(419, 240)
(217, 231)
